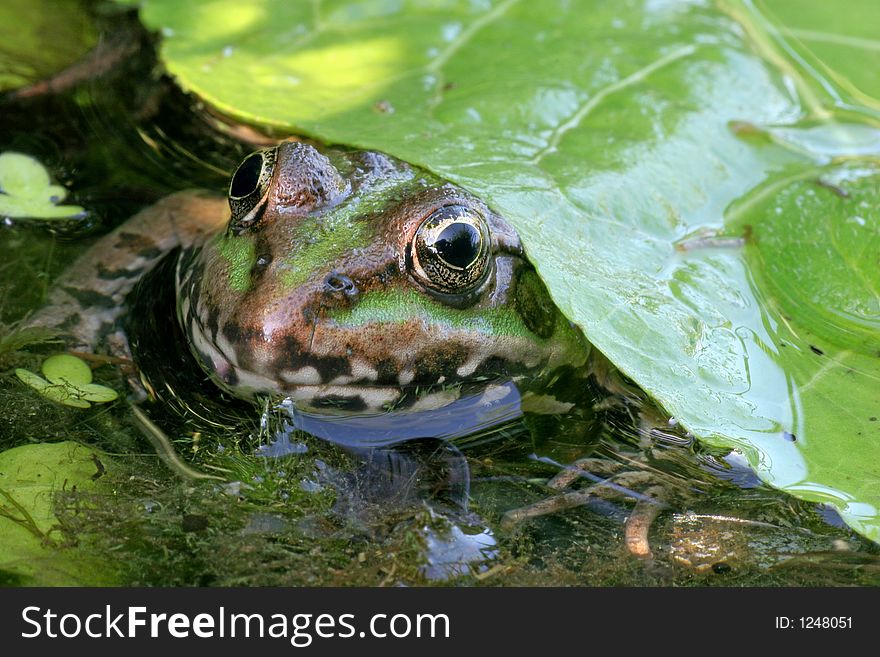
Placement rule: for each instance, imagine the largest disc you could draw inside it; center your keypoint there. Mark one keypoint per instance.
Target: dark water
(519, 499)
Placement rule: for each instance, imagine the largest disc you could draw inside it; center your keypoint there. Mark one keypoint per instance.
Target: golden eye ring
(248, 188)
(450, 250)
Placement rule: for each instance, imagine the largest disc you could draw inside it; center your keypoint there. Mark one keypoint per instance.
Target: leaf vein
(584, 110)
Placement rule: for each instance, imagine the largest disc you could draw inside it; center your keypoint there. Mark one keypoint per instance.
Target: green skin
(314, 288)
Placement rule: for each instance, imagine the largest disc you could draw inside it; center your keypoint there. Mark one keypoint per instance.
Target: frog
(345, 281)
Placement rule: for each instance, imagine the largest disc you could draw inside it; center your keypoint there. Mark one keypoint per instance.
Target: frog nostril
(260, 265)
(340, 285)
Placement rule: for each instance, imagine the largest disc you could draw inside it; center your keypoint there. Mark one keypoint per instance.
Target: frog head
(349, 281)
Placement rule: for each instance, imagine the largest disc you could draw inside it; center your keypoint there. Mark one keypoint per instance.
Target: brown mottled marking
(88, 297)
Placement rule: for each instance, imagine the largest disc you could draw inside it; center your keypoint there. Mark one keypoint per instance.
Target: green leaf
(40, 37)
(26, 190)
(57, 392)
(842, 43)
(64, 368)
(816, 249)
(31, 548)
(671, 169)
(69, 382)
(97, 393)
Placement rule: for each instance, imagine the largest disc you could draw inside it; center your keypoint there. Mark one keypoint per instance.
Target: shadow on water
(485, 491)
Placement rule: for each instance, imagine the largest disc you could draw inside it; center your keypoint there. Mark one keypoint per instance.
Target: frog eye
(450, 250)
(248, 187)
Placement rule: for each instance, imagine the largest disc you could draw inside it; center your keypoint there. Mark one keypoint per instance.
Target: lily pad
(56, 392)
(69, 382)
(32, 551)
(40, 37)
(26, 191)
(669, 166)
(64, 368)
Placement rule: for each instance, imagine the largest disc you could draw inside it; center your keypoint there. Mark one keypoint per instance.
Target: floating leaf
(69, 382)
(40, 37)
(658, 159)
(97, 393)
(843, 44)
(30, 548)
(33, 380)
(818, 257)
(26, 191)
(64, 368)
(57, 392)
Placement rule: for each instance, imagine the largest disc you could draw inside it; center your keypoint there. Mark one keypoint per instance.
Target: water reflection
(406, 460)
(472, 413)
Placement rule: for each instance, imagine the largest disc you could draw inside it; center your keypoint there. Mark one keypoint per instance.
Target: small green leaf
(57, 392)
(64, 394)
(35, 381)
(64, 368)
(97, 393)
(26, 190)
(22, 175)
(69, 382)
(819, 255)
(30, 545)
(40, 38)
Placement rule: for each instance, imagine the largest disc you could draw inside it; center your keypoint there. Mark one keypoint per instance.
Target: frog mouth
(370, 398)
(344, 398)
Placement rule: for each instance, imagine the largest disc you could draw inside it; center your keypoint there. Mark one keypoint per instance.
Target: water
(518, 499)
